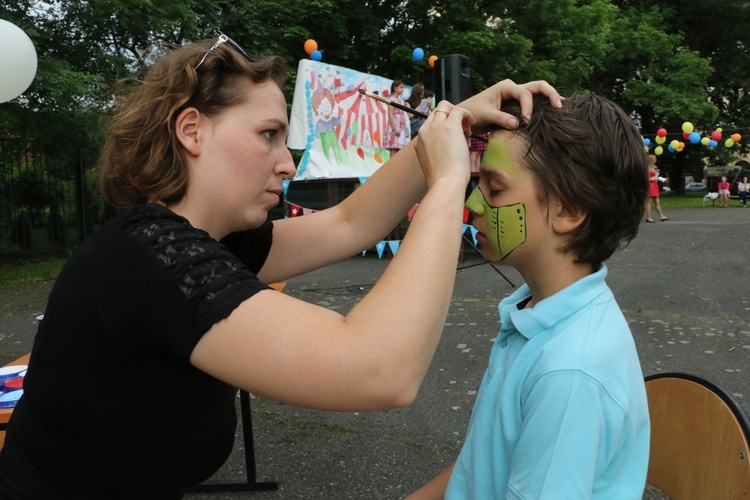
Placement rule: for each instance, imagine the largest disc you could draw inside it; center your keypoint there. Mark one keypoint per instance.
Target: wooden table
(5, 413)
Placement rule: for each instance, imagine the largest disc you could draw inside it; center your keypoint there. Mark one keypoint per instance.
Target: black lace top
(112, 406)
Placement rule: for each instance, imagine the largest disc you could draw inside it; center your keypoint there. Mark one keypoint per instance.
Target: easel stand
(252, 483)
(471, 243)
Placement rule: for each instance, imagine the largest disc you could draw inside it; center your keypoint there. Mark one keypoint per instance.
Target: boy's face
(507, 212)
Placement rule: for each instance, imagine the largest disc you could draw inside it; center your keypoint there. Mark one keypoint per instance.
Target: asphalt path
(682, 284)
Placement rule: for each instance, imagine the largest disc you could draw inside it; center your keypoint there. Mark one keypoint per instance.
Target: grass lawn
(30, 272)
(687, 200)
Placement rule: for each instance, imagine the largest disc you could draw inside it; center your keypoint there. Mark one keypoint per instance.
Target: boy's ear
(565, 219)
(187, 129)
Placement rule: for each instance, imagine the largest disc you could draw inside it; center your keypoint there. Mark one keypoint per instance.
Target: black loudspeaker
(452, 81)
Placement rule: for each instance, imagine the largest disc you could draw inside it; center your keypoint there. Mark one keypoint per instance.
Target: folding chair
(700, 439)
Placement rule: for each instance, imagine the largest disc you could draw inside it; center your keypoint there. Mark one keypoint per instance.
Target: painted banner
(340, 130)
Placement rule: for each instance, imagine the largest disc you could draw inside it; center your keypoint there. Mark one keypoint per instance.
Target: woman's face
(398, 89)
(245, 158)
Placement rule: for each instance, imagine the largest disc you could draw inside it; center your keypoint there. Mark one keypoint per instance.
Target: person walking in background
(723, 189)
(398, 129)
(743, 187)
(653, 194)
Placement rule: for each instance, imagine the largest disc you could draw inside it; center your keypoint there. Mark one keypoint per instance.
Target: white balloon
(17, 61)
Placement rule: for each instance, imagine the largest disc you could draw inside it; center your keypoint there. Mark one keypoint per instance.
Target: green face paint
(506, 225)
(498, 156)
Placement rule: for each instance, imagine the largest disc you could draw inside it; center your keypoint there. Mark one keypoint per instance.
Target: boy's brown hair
(590, 157)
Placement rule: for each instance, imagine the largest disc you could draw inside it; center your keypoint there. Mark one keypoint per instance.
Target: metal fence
(48, 203)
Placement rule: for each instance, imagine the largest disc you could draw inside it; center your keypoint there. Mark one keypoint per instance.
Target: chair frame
(675, 466)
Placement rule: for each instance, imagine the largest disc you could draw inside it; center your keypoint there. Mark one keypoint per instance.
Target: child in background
(562, 409)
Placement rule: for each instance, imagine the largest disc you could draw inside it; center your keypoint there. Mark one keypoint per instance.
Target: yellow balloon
(674, 144)
(687, 127)
(720, 129)
(658, 150)
(705, 141)
(729, 143)
(660, 139)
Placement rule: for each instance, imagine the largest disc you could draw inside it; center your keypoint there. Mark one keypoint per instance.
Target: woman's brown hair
(142, 158)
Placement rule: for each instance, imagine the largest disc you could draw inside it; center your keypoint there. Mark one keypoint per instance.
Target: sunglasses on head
(223, 39)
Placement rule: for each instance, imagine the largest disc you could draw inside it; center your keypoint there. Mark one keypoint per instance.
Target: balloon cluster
(17, 61)
(689, 135)
(311, 47)
(418, 55)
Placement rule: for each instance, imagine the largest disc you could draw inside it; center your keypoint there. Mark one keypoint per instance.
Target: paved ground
(683, 285)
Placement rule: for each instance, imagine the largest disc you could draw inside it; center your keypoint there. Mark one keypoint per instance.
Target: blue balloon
(316, 55)
(647, 142)
(694, 137)
(712, 143)
(418, 54)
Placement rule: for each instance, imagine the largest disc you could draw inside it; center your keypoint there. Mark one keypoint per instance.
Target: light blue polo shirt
(561, 412)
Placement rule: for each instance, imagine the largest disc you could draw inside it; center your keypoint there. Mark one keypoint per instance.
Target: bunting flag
(340, 130)
(285, 185)
(380, 246)
(393, 245)
(295, 210)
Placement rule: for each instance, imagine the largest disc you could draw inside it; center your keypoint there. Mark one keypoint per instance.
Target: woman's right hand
(441, 149)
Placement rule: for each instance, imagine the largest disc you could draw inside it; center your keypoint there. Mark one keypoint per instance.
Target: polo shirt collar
(552, 310)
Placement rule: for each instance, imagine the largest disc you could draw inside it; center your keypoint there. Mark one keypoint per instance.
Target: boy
(562, 409)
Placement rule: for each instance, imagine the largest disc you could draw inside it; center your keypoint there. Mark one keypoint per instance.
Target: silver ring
(441, 111)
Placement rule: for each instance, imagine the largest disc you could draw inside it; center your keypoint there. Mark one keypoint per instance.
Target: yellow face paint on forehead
(498, 156)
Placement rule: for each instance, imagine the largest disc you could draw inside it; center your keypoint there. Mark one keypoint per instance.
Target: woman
(397, 130)
(653, 195)
(723, 189)
(418, 102)
(743, 188)
(158, 318)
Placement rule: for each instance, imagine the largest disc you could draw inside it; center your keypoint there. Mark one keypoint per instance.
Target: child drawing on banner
(324, 104)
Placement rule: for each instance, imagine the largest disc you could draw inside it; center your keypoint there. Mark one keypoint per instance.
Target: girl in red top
(653, 195)
(723, 192)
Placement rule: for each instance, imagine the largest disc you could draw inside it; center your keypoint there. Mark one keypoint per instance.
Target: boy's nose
(475, 202)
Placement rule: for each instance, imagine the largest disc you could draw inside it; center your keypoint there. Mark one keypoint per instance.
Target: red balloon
(716, 135)
(361, 153)
(662, 132)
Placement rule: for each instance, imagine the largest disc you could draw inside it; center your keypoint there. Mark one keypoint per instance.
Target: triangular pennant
(285, 185)
(394, 244)
(412, 211)
(307, 211)
(474, 232)
(295, 210)
(380, 247)
(362, 180)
